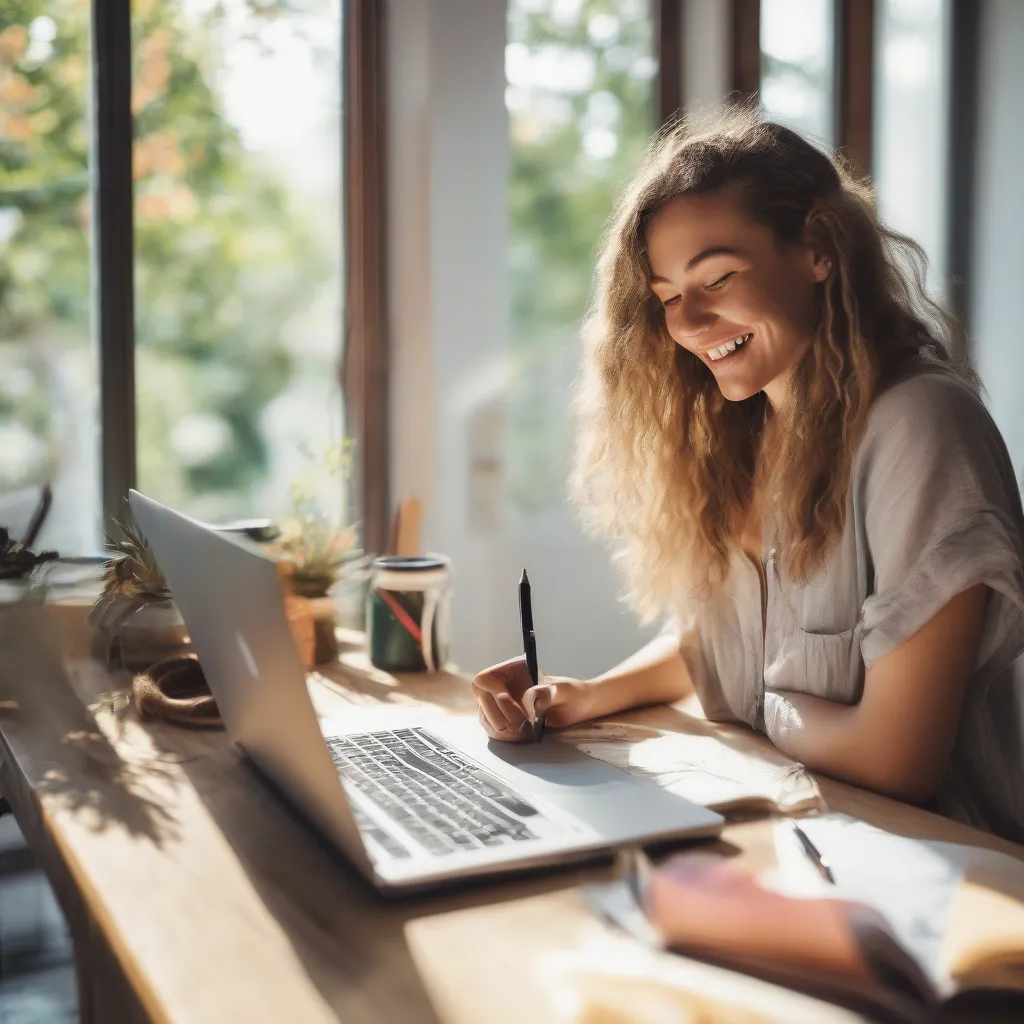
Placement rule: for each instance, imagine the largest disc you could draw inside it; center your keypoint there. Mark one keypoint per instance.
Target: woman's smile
(715, 355)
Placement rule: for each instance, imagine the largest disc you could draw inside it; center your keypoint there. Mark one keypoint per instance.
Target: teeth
(730, 346)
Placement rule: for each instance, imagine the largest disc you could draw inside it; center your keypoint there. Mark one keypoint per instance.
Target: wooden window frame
(668, 43)
(113, 243)
(964, 98)
(745, 70)
(364, 367)
(855, 66)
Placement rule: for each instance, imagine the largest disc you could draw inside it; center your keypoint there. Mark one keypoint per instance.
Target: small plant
(316, 543)
(131, 579)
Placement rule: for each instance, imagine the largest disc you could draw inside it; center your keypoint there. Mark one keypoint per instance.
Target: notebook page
(723, 767)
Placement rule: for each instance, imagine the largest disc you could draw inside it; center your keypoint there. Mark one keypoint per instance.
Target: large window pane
(238, 247)
(579, 101)
(48, 368)
(911, 136)
(797, 65)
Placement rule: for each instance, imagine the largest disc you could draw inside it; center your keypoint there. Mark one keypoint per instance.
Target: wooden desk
(194, 894)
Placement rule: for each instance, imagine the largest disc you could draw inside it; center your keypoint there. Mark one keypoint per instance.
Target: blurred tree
(223, 257)
(580, 116)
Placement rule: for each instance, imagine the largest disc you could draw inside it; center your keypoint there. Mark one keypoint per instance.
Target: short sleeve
(940, 510)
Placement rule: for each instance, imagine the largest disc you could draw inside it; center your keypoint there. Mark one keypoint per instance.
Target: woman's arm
(899, 738)
(656, 674)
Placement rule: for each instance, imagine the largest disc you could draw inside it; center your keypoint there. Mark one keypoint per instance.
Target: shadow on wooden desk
(192, 890)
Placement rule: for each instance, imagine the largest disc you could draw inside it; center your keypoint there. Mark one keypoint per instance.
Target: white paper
(703, 768)
(911, 883)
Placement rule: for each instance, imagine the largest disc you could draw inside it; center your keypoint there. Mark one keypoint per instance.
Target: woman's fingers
(512, 710)
(511, 677)
(491, 712)
(505, 733)
(539, 699)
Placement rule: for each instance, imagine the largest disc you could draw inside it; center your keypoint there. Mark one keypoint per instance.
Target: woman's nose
(694, 317)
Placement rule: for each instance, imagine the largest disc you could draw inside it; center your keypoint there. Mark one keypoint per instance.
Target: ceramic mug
(408, 613)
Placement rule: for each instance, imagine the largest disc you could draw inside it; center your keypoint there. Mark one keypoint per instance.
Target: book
(907, 928)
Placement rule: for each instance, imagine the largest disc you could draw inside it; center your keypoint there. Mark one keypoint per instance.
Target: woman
(775, 434)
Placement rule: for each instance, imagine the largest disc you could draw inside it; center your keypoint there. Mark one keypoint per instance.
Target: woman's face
(733, 296)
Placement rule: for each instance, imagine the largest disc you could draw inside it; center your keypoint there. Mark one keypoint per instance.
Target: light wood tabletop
(194, 894)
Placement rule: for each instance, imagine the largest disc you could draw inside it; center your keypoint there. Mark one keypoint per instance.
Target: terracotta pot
(302, 621)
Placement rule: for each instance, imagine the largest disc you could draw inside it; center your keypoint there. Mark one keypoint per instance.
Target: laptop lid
(229, 595)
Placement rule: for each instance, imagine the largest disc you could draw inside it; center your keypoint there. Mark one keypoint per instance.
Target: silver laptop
(423, 802)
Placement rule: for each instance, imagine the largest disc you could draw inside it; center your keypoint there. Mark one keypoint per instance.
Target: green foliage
(561, 192)
(223, 257)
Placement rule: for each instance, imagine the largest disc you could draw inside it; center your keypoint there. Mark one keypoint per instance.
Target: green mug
(408, 613)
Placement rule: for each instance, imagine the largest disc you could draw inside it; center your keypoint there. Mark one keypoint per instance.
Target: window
(579, 96)
(797, 65)
(238, 248)
(911, 111)
(48, 365)
(237, 253)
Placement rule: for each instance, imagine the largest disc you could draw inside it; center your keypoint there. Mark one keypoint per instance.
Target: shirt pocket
(829, 602)
(823, 664)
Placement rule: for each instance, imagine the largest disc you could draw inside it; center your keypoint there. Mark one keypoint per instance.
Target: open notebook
(907, 926)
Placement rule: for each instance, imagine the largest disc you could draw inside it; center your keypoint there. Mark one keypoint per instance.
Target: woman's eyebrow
(715, 250)
(706, 254)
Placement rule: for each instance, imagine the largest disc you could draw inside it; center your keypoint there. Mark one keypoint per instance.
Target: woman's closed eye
(721, 281)
(671, 302)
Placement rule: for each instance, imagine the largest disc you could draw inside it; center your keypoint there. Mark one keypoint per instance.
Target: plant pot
(136, 639)
(324, 624)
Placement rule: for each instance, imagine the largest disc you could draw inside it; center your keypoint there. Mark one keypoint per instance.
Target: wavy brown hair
(666, 467)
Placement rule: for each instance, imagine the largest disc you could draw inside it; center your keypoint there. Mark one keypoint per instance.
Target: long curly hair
(665, 466)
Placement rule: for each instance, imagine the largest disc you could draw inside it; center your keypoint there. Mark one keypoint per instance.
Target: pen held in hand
(530, 647)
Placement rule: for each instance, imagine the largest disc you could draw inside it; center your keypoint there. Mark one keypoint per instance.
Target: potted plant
(315, 546)
(134, 611)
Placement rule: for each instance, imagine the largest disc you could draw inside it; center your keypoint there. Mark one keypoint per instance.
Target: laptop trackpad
(559, 764)
(617, 805)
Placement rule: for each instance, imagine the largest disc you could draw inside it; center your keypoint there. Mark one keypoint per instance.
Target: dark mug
(408, 613)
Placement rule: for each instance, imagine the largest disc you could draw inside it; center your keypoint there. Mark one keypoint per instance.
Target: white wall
(998, 268)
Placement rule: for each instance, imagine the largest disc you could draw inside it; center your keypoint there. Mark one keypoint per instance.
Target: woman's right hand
(509, 703)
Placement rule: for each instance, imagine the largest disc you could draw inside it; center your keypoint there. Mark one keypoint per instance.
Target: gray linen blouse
(933, 509)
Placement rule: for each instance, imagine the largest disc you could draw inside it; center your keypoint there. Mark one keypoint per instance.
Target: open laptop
(412, 806)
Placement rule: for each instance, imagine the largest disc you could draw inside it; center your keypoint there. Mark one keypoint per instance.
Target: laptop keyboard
(442, 800)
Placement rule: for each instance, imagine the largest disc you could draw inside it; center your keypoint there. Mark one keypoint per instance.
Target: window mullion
(113, 245)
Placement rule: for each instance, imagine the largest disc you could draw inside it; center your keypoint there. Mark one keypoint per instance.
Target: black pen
(814, 853)
(530, 646)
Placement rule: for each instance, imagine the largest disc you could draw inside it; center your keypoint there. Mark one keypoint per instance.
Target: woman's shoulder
(931, 426)
(928, 407)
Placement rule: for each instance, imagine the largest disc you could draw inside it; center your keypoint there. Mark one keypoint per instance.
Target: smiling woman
(777, 436)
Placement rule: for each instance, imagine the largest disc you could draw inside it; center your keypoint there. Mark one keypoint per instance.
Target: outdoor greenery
(224, 257)
(580, 116)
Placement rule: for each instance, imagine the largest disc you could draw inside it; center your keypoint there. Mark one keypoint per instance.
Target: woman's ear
(819, 259)
(821, 266)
